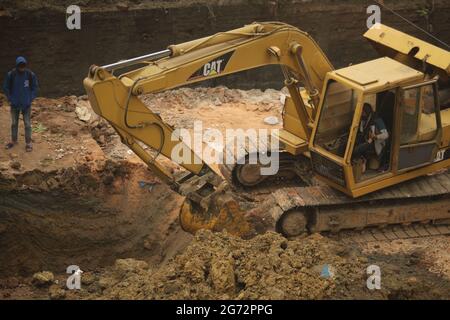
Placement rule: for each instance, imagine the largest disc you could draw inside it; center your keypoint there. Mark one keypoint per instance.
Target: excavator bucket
(227, 216)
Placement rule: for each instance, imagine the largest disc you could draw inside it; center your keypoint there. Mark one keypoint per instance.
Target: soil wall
(61, 57)
(78, 216)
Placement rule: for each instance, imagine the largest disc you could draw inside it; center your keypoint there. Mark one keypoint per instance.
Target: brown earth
(70, 202)
(81, 198)
(220, 266)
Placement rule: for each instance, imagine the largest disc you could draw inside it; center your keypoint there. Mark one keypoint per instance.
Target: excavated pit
(82, 198)
(108, 217)
(71, 203)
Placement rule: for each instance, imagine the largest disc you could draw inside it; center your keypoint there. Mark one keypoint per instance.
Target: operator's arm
(384, 135)
(381, 128)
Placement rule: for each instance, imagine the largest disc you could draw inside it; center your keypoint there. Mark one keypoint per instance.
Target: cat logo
(213, 67)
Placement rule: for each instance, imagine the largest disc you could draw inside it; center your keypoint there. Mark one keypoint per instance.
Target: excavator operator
(372, 137)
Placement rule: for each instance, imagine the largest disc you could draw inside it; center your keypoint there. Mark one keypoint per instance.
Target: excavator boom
(260, 44)
(115, 98)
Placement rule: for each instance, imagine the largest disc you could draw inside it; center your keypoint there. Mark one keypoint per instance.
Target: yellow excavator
(325, 118)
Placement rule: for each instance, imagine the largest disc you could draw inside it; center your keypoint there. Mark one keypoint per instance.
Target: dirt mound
(220, 266)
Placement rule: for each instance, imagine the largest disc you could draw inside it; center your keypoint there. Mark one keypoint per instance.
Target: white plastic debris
(272, 120)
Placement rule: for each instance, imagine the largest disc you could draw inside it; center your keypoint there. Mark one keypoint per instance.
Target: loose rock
(44, 278)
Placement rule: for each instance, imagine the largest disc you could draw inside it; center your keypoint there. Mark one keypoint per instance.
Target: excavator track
(323, 209)
(396, 232)
(417, 208)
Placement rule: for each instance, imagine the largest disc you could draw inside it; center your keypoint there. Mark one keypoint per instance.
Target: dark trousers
(368, 149)
(26, 115)
(363, 150)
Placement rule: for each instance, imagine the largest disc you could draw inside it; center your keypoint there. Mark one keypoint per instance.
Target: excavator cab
(376, 128)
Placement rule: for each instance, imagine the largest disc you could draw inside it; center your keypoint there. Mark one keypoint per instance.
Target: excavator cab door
(419, 126)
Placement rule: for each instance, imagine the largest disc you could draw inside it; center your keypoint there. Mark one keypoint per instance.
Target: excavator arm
(115, 98)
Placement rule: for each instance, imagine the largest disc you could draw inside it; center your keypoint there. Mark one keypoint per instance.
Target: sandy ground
(131, 242)
(217, 107)
(59, 138)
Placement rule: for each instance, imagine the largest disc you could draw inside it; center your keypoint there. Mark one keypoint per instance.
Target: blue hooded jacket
(20, 87)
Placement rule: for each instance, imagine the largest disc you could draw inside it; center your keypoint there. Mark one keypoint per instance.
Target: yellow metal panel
(384, 36)
(359, 76)
(427, 127)
(445, 119)
(291, 119)
(400, 178)
(378, 73)
(293, 144)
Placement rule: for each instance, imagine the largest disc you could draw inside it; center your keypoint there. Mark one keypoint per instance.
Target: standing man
(20, 87)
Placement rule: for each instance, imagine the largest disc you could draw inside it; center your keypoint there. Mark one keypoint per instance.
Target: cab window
(336, 118)
(419, 123)
(419, 126)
